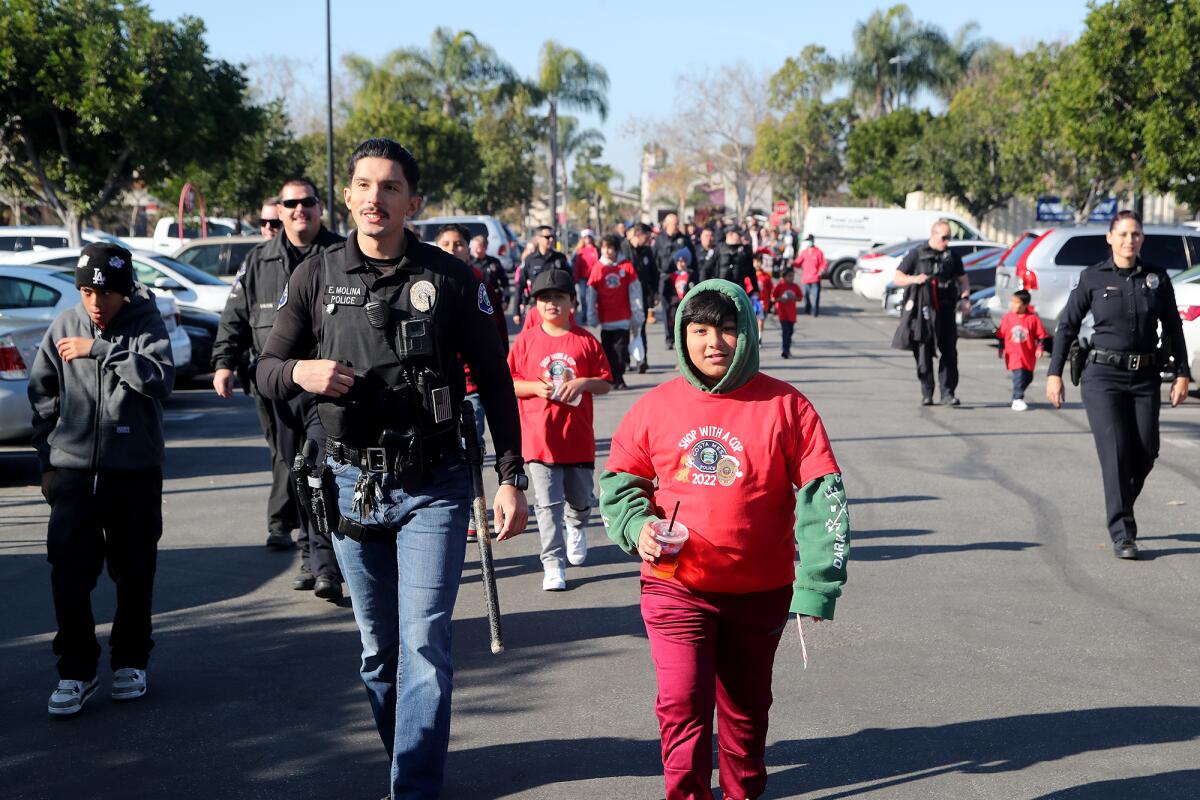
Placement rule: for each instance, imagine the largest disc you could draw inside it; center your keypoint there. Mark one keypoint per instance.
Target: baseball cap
(553, 280)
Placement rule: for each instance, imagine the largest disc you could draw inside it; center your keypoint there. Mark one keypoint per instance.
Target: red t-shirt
(765, 285)
(585, 258)
(611, 282)
(733, 461)
(681, 281)
(1022, 335)
(785, 294)
(554, 432)
(811, 263)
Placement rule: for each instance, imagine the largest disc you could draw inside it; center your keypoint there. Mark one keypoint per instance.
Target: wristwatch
(520, 481)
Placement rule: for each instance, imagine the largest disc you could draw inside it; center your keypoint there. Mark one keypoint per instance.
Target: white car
(22, 238)
(875, 270)
(191, 287)
(1187, 300)
(19, 342)
(38, 294)
(166, 238)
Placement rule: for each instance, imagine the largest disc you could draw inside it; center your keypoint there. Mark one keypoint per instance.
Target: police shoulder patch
(485, 302)
(283, 298)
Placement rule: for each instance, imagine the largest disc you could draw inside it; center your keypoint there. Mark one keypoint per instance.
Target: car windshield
(1187, 276)
(188, 271)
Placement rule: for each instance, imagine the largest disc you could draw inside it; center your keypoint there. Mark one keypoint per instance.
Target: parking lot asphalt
(988, 644)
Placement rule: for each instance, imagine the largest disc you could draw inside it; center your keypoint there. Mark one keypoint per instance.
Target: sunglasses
(547, 235)
(307, 202)
(273, 224)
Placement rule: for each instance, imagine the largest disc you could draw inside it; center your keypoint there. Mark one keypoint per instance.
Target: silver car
(19, 342)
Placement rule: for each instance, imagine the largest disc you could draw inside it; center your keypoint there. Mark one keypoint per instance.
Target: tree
(567, 80)
(876, 83)
(802, 151)
(265, 157)
(573, 141)
(591, 182)
(457, 70)
(505, 134)
(962, 57)
(883, 156)
(806, 77)
(973, 153)
(95, 94)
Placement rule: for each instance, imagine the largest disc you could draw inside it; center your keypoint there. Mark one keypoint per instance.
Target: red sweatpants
(713, 650)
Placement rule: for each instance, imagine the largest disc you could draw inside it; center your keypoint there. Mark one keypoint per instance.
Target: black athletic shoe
(278, 540)
(1126, 548)
(328, 588)
(642, 368)
(305, 581)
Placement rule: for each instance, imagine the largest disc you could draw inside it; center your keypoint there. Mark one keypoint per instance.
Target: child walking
(1021, 336)
(785, 295)
(97, 386)
(614, 302)
(556, 368)
(728, 447)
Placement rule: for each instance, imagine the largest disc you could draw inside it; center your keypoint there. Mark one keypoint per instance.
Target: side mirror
(170, 284)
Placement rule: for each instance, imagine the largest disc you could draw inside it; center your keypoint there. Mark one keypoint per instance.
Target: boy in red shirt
(784, 295)
(614, 302)
(556, 368)
(1021, 335)
(728, 446)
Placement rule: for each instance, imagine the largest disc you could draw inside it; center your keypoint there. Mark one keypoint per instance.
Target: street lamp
(329, 112)
(898, 61)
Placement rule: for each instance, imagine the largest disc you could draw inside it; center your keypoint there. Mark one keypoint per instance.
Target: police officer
(387, 315)
(247, 319)
(541, 259)
(935, 261)
(1121, 384)
(668, 241)
(734, 260)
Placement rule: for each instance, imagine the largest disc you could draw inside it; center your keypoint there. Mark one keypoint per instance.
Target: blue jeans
(812, 298)
(1021, 379)
(403, 593)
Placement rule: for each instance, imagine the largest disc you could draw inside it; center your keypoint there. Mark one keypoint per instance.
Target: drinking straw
(673, 513)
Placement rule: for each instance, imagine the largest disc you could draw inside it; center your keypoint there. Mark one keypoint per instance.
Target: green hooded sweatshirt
(822, 521)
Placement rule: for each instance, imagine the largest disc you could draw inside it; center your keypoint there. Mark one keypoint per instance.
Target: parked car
(189, 286)
(39, 294)
(875, 281)
(1187, 299)
(844, 234)
(19, 342)
(502, 242)
(1047, 262)
(977, 323)
(166, 237)
(22, 238)
(219, 257)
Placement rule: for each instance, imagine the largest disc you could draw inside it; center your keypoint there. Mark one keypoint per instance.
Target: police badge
(423, 295)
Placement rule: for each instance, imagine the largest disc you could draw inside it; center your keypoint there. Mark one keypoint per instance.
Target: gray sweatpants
(563, 497)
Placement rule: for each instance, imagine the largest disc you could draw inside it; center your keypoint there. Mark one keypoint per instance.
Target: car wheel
(841, 274)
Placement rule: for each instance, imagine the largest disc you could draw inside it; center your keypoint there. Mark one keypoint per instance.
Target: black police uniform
(665, 248)
(1121, 385)
(945, 268)
(706, 263)
(646, 267)
(735, 264)
(245, 324)
(535, 264)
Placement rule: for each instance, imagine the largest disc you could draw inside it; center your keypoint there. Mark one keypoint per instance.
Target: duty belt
(436, 449)
(1122, 360)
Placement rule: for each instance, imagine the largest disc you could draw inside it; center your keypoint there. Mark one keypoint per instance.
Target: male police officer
(387, 316)
(543, 258)
(666, 244)
(935, 261)
(246, 321)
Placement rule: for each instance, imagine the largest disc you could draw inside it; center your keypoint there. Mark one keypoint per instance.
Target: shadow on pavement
(902, 498)
(892, 552)
(1179, 785)
(200, 461)
(894, 533)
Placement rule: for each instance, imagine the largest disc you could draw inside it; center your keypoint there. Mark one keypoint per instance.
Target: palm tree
(965, 54)
(565, 80)
(455, 69)
(571, 142)
(893, 55)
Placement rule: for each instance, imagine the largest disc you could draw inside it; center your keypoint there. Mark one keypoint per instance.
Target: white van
(843, 234)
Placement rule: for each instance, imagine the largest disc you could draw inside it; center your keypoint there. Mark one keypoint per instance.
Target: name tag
(345, 295)
(122, 429)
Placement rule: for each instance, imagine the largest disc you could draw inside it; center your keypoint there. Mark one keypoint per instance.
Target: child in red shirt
(556, 368)
(614, 302)
(729, 447)
(785, 294)
(1021, 335)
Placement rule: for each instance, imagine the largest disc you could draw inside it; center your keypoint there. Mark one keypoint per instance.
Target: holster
(1077, 357)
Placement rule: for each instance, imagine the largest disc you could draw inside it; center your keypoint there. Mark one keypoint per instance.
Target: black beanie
(105, 266)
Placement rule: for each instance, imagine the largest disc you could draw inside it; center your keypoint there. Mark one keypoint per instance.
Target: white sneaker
(1020, 405)
(555, 580)
(576, 546)
(128, 684)
(68, 698)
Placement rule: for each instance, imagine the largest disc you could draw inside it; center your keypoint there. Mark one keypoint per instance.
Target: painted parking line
(1181, 442)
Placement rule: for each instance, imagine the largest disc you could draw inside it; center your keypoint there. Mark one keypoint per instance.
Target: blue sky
(645, 46)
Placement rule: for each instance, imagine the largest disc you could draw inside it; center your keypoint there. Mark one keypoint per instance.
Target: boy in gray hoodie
(97, 386)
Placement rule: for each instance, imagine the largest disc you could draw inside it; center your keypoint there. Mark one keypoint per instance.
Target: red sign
(781, 207)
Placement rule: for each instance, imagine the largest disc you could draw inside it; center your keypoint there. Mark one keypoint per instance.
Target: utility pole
(898, 61)
(329, 112)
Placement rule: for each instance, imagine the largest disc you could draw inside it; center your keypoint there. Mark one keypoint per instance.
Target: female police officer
(1121, 386)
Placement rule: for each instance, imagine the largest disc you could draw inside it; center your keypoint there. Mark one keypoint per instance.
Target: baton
(479, 512)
